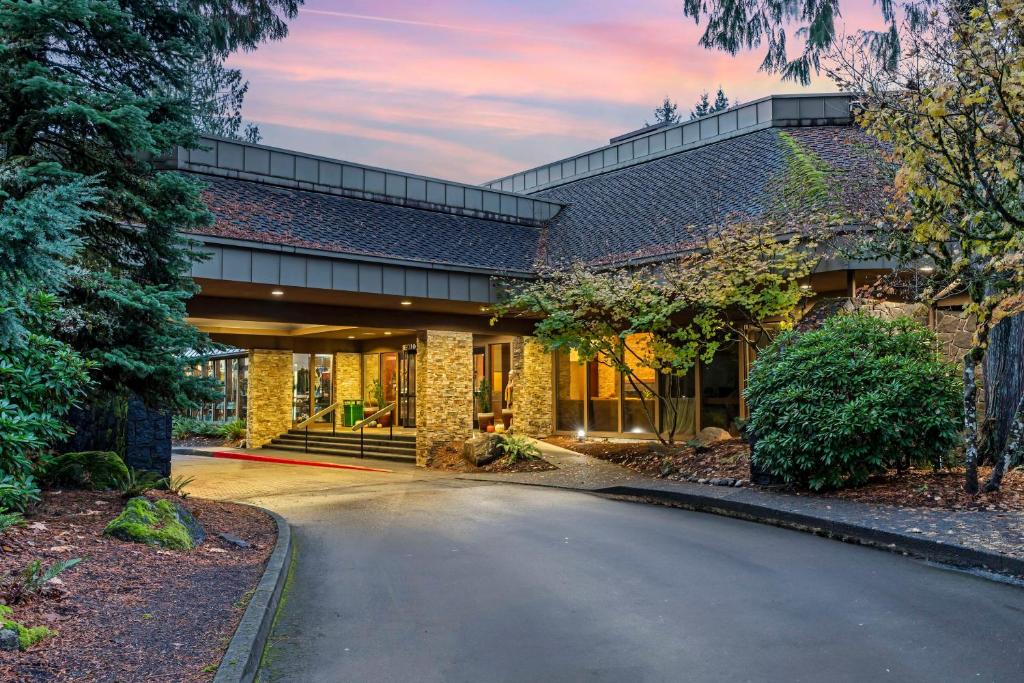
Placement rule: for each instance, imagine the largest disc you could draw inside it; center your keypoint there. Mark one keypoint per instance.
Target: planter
(485, 420)
(385, 420)
(506, 417)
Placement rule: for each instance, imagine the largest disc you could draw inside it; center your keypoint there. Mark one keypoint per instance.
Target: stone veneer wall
(347, 380)
(444, 391)
(532, 396)
(269, 404)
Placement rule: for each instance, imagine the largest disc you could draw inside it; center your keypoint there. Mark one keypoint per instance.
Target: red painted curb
(288, 461)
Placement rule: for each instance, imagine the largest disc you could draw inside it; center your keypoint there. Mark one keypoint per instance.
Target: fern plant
(515, 448)
(136, 482)
(176, 485)
(33, 578)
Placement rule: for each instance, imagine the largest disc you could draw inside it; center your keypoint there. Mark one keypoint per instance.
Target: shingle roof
(668, 204)
(264, 213)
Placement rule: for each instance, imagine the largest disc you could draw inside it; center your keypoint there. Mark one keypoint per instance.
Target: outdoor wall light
(277, 292)
(581, 434)
(351, 336)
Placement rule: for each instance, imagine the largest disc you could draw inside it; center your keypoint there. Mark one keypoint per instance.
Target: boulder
(710, 435)
(481, 449)
(158, 522)
(9, 639)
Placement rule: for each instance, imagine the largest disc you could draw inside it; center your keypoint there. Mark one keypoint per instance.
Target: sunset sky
(474, 89)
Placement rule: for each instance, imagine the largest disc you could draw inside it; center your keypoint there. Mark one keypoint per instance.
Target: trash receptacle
(353, 411)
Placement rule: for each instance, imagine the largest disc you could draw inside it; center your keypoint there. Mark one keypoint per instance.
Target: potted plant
(377, 394)
(485, 417)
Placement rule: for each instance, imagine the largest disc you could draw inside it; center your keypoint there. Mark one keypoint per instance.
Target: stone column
(269, 403)
(347, 380)
(444, 391)
(532, 394)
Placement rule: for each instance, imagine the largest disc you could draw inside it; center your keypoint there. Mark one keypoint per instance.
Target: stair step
(347, 445)
(368, 454)
(350, 435)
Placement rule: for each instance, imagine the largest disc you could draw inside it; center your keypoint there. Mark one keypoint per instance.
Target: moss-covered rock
(87, 469)
(27, 635)
(157, 522)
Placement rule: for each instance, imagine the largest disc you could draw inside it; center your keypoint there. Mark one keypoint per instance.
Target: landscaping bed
(451, 460)
(128, 611)
(730, 461)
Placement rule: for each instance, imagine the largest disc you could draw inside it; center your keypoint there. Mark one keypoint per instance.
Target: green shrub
(183, 426)
(99, 470)
(136, 482)
(233, 430)
(515, 448)
(831, 407)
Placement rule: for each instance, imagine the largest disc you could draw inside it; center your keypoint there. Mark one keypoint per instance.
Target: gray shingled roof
(667, 205)
(264, 213)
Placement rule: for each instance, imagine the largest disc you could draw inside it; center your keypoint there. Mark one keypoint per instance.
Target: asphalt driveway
(414, 576)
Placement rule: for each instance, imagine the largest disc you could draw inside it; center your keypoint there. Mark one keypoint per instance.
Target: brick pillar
(444, 391)
(532, 395)
(269, 403)
(347, 380)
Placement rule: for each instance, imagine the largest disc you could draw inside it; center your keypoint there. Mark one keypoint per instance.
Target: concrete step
(380, 446)
(348, 435)
(345, 452)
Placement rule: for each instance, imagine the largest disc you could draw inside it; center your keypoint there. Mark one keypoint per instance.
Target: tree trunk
(971, 422)
(1005, 459)
(1004, 386)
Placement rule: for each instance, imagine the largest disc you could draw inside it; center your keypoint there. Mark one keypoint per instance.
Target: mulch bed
(923, 488)
(131, 612)
(451, 460)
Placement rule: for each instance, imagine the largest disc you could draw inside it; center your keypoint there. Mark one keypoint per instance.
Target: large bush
(857, 397)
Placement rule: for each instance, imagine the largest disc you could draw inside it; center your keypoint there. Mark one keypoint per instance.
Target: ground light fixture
(581, 434)
(277, 292)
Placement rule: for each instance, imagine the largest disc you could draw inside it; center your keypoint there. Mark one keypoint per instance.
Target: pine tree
(721, 101)
(91, 91)
(667, 113)
(705, 106)
(734, 25)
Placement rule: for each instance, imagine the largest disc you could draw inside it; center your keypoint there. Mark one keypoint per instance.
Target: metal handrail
(366, 420)
(319, 413)
(361, 425)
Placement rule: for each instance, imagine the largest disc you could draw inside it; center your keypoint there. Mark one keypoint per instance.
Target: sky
(471, 90)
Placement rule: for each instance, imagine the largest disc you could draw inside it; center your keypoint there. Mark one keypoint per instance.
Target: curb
(241, 660)
(921, 548)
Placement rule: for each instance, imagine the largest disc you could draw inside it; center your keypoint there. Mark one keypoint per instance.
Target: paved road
(418, 577)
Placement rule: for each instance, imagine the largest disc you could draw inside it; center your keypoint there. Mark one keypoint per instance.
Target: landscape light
(580, 434)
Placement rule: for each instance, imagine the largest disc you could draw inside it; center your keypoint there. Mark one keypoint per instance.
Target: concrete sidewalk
(976, 539)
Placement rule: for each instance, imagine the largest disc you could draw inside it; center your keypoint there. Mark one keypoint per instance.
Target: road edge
(918, 547)
(241, 660)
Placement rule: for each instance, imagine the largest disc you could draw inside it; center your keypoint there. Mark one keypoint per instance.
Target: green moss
(87, 469)
(806, 177)
(27, 636)
(153, 523)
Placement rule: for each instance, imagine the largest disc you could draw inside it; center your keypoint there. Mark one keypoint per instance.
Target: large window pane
(720, 390)
(218, 407)
(501, 363)
(638, 401)
(678, 410)
(230, 388)
(570, 382)
(300, 386)
(371, 375)
(604, 397)
(322, 389)
(243, 386)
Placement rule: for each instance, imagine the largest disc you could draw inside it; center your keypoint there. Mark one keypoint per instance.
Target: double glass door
(312, 389)
(407, 386)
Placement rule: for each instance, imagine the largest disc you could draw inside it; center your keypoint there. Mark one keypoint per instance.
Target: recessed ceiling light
(351, 336)
(277, 292)
(406, 303)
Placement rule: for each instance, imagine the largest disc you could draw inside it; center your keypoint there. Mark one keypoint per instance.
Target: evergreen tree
(705, 106)
(92, 91)
(733, 25)
(666, 113)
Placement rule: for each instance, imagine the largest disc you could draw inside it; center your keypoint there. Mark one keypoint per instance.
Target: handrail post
(391, 427)
(361, 441)
(307, 438)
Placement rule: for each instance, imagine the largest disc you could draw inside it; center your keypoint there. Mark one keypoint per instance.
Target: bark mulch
(131, 612)
(451, 460)
(917, 488)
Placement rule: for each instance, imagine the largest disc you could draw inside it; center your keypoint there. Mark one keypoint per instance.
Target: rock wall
(532, 396)
(269, 403)
(347, 379)
(444, 391)
(139, 434)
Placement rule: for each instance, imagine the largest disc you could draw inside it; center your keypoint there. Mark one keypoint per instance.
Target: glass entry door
(407, 386)
(311, 386)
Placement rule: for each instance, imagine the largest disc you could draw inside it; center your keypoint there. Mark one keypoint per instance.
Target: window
(570, 391)
(639, 401)
(603, 391)
(720, 390)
